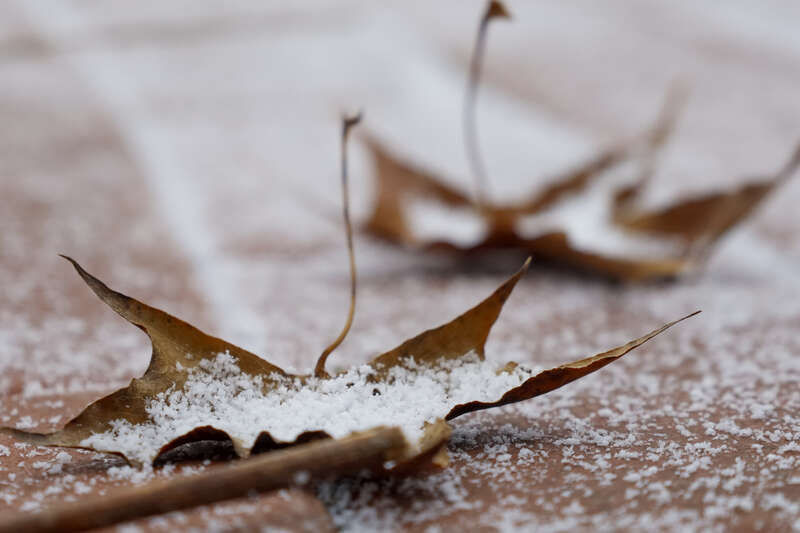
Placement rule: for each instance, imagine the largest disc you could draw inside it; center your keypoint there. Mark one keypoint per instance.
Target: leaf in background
(702, 220)
(581, 219)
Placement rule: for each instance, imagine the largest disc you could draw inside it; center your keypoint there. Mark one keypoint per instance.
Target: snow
(218, 394)
(433, 222)
(244, 123)
(586, 218)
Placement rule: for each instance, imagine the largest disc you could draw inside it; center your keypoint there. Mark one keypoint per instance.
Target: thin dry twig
(261, 473)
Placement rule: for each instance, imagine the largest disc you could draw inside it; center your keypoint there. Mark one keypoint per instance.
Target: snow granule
(26, 422)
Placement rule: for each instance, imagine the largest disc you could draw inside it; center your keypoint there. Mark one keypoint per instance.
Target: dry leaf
(701, 220)
(199, 387)
(584, 219)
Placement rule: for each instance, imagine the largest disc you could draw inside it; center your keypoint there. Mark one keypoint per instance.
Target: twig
(260, 473)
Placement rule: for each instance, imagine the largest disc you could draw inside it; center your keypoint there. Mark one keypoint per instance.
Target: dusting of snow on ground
(218, 394)
(189, 157)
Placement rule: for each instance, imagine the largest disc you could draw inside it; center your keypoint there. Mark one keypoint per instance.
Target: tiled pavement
(186, 153)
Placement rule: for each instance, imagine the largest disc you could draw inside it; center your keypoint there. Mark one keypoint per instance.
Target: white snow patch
(432, 222)
(217, 393)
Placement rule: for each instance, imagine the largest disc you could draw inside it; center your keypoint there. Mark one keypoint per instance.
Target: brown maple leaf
(198, 387)
(644, 244)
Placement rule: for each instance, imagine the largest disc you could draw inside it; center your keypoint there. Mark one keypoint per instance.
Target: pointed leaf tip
(25, 436)
(72, 261)
(117, 301)
(791, 165)
(463, 335)
(559, 376)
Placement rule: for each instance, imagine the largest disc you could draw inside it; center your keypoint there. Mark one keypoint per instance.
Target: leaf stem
(347, 123)
(261, 473)
(494, 9)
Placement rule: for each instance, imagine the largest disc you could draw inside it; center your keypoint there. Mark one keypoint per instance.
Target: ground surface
(187, 154)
